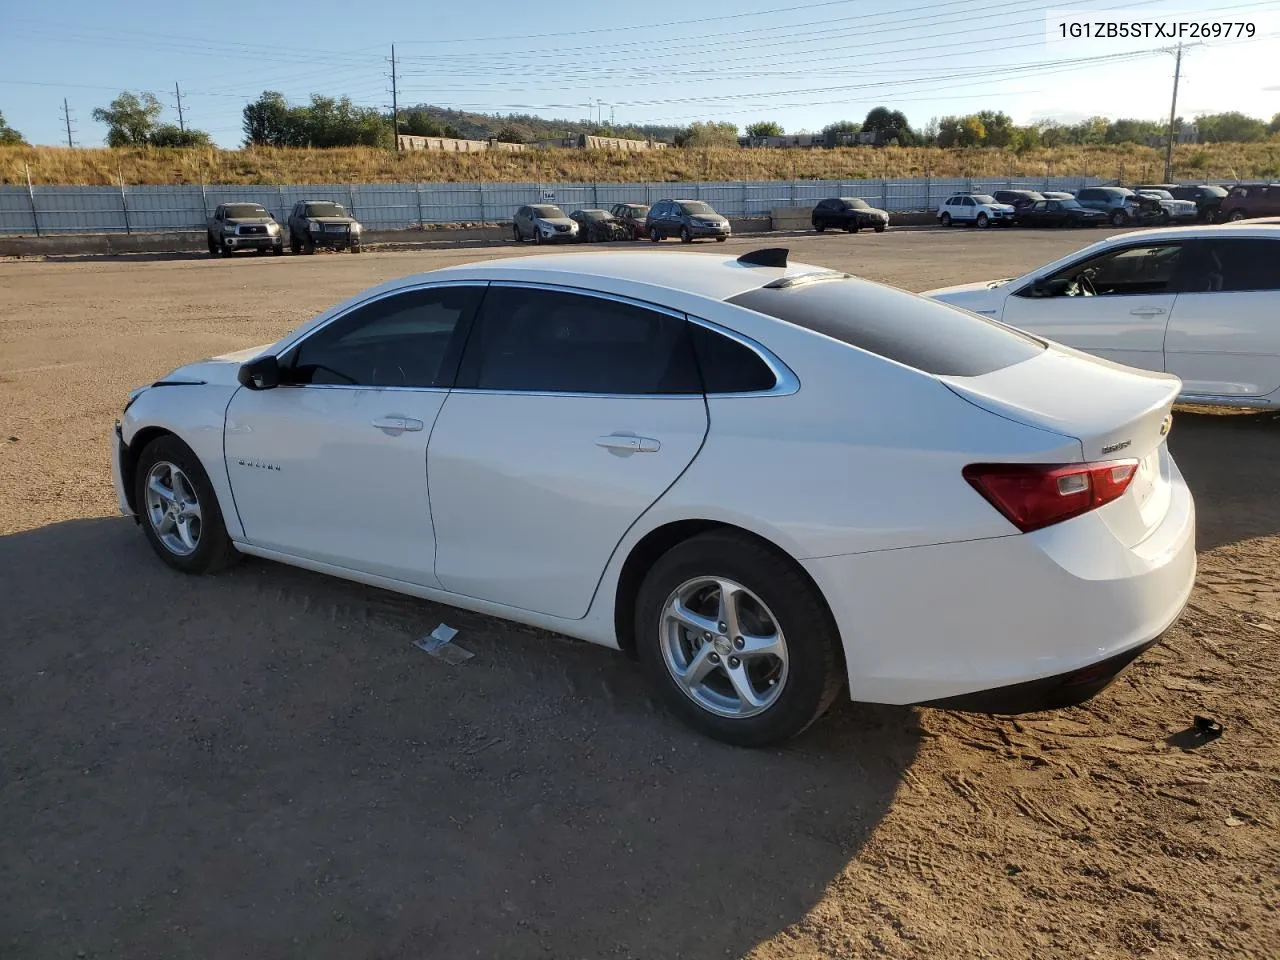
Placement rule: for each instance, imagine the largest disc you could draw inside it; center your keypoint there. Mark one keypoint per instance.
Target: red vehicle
(1247, 200)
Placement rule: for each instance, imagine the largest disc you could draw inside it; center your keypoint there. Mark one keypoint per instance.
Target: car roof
(1263, 227)
(707, 275)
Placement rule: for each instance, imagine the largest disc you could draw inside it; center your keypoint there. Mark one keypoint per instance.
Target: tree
(130, 118)
(10, 137)
(267, 122)
(708, 135)
(961, 132)
(419, 123)
(1232, 127)
(1133, 131)
(1274, 126)
(832, 131)
(764, 128)
(510, 134)
(452, 132)
(929, 134)
(325, 122)
(170, 135)
(889, 125)
(997, 128)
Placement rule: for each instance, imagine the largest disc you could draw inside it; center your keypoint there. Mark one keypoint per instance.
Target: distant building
(583, 141)
(449, 145)
(810, 141)
(1186, 133)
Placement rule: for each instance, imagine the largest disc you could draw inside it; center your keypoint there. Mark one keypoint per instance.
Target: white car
(1175, 211)
(762, 480)
(1198, 302)
(977, 208)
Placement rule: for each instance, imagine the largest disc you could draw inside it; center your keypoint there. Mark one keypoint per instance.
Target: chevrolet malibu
(767, 482)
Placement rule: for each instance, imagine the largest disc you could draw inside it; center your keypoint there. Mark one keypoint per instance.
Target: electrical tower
(66, 118)
(395, 104)
(177, 92)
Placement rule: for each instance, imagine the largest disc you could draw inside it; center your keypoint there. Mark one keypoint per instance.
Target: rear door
(572, 414)
(1224, 334)
(1117, 305)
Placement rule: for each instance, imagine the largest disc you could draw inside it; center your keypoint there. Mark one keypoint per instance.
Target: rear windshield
(325, 210)
(243, 211)
(929, 336)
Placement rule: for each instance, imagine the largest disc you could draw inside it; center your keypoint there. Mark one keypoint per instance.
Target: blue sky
(801, 63)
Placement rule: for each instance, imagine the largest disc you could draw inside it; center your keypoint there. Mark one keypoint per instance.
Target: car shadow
(260, 763)
(1231, 462)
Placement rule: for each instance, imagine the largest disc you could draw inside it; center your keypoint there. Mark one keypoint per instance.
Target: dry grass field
(52, 165)
(261, 764)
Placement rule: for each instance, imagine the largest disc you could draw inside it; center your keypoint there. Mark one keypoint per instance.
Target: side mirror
(261, 373)
(1057, 287)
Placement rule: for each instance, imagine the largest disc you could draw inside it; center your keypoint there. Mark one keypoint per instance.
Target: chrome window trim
(785, 382)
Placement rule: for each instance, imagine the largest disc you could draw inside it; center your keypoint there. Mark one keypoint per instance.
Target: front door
(1114, 305)
(572, 414)
(332, 465)
(1224, 335)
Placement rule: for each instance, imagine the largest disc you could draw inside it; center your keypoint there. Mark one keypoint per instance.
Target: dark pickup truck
(243, 226)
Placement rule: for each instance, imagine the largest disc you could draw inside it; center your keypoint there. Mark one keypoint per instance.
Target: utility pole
(177, 92)
(395, 104)
(66, 116)
(1173, 112)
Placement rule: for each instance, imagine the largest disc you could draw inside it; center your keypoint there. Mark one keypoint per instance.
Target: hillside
(482, 126)
(52, 165)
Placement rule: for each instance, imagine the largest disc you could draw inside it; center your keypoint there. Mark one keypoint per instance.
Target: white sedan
(764, 481)
(1202, 303)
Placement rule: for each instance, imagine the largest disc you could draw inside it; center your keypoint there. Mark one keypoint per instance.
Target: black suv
(322, 223)
(848, 213)
(686, 219)
(1019, 199)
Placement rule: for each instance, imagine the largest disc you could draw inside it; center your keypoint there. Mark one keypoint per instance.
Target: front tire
(654, 235)
(945, 220)
(1235, 215)
(179, 510)
(515, 233)
(1118, 218)
(685, 235)
(983, 221)
(774, 666)
(879, 228)
(820, 225)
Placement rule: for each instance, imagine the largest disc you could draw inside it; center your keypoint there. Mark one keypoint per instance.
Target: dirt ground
(260, 764)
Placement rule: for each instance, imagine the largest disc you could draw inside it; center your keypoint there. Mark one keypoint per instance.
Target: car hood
(332, 219)
(872, 211)
(221, 370)
(556, 221)
(239, 220)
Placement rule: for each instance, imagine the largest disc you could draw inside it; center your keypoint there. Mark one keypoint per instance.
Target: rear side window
(729, 366)
(554, 341)
(1225, 266)
(926, 335)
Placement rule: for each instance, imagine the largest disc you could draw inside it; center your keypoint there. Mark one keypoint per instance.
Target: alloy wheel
(173, 509)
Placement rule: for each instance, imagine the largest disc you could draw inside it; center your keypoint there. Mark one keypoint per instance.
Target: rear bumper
(1048, 617)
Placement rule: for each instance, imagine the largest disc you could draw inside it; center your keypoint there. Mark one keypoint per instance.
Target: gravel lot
(260, 764)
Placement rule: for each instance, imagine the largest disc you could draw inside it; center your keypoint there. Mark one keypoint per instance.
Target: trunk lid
(1115, 412)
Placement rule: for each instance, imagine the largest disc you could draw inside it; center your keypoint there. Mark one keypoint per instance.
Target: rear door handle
(401, 424)
(1148, 312)
(629, 444)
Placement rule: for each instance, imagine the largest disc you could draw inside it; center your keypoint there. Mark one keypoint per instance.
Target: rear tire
(812, 676)
(213, 549)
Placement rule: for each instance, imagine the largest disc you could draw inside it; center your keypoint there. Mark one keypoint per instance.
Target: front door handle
(399, 424)
(623, 444)
(1148, 312)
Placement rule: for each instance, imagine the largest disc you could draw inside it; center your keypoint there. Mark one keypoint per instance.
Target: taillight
(1035, 495)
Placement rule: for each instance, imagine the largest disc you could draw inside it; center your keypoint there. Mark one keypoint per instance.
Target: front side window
(555, 341)
(1144, 269)
(401, 340)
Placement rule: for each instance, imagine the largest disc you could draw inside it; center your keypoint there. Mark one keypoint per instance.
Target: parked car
(980, 209)
(1173, 210)
(1248, 200)
(599, 226)
(1197, 302)
(560, 445)
(848, 213)
(243, 226)
(1121, 205)
(633, 217)
(1059, 213)
(1018, 199)
(686, 219)
(543, 223)
(1207, 197)
(322, 223)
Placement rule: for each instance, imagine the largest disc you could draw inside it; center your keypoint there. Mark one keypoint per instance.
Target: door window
(554, 341)
(1145, 269)
(1226, 266)
(403, 340)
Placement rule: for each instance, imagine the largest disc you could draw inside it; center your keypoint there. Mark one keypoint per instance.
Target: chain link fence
(44, 210)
